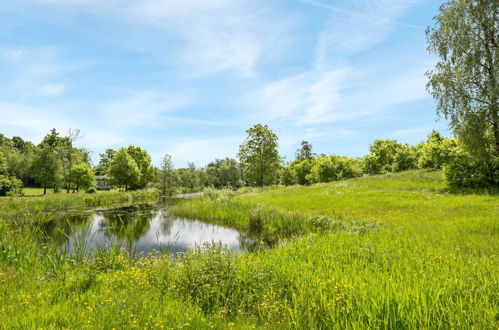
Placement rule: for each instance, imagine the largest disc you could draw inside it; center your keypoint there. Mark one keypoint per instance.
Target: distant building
(102, 182)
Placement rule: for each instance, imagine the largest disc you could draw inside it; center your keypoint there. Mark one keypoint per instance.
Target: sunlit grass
(380, 252)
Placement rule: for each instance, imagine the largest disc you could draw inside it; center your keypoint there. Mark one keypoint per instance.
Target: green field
(395, 251)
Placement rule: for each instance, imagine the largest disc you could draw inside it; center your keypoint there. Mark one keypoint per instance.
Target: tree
(287, 176)
(304, 152)
(259, 157)
(224, 173)
(46, 166)
(124, 171)
(435, 152)
(465, 82)
(82, 176)
(105, 162)
(168, 178)
(333, 168)
(3, 164)
(302, 170)
(143, 161)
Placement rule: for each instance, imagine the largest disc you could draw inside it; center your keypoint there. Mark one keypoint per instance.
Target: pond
(140, 229)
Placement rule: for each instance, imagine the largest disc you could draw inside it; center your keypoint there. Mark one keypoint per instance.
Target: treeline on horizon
(57, 164)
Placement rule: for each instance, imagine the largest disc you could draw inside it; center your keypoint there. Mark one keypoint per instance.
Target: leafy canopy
(259, 157)
(465, 81)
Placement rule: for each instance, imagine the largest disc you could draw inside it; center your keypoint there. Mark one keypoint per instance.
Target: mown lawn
(393, 251)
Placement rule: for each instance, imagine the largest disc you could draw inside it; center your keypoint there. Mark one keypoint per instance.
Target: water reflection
(140, 229)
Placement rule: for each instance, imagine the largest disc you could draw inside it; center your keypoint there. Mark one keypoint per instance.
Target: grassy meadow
(395, 251)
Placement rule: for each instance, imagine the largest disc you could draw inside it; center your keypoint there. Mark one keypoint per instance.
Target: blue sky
(188, 77)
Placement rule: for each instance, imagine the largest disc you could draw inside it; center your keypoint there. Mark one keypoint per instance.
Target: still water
(140, 229)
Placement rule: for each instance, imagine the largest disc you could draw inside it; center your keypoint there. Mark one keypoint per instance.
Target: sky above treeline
(188, 77)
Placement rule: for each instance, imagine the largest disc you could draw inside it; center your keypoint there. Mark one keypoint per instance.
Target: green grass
(394, 251)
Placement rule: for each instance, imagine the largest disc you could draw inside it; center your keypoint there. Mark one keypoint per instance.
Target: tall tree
(259, 157)
(47, 168)
(168, 178)
(224, 173)
(143, 161)
(465, 82)
(82, 176)
(304, 152)
(105, 162)
(124, 171)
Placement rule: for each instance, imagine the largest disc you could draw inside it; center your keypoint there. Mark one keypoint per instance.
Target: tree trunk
(496, 134)
(44, 190)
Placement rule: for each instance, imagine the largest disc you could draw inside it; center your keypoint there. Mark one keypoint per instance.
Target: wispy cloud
(35, 71)
(214, 36)
(360, 27)
(141, 109)
(200, 151)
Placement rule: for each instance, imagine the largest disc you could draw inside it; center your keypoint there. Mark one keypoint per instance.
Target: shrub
(302, 170)
(91, 190)
(435, 152)
(10, 186)
(287, 176)
(464, 171)
(389, 156)
(333, 168)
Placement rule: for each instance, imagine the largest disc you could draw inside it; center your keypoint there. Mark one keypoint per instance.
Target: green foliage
(464, 171)
(143, 161)
(82, 176)
(259, 156)
(337, 270)
(302, 170)
(332, 168)
(223, 173)
(287, 177)
(105, 161)
(435, 153)
(3, 164)
(124, 171)
(91, 190)
(167, 177)
(304, 152)
(389, 156)
(10, 186)
(189, 178)
(47, 167)
(465, 81)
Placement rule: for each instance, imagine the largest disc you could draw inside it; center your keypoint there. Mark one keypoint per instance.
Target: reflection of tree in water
(253, 243)
(166, 223)
(127, 223)
(58, 230)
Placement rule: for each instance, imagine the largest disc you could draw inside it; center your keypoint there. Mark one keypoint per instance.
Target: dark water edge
(141, 230)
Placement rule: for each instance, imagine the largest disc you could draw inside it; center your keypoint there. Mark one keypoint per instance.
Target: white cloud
(363, 25)
(304, 98)
(201, 151)
(215, 36)
(31, 123)
(36, 71)
(51, 89)
(141, 109)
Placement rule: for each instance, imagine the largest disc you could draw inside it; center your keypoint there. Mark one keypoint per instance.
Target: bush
(464, 171)
(302, 170)
(91, 190)
(333, 168)
(389, 156)
(435, 152)
(287, 176)
(10, 186)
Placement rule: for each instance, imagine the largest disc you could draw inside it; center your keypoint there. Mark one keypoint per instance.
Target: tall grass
(429, 262)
